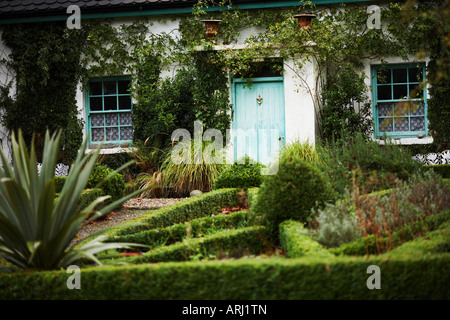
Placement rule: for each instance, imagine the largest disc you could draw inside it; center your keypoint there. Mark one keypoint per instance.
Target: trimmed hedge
(441, 169)
(114, 187)
(413, 277)
(296, 242)
(59, 183)
(240, 175)
(178, 232)
(87, 197)
(249, 240)
(368, 245)
(185, 210)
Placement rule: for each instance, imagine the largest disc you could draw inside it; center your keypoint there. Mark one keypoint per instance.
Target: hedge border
(264, 279)
(178, 232)
(295, 241)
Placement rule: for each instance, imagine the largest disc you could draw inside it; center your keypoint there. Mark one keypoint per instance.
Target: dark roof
(35, 8)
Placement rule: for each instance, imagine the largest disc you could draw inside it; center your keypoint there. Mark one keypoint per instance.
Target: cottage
(284, 102)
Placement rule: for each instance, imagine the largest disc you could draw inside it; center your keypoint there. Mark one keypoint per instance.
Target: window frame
(89, 112)
(400, 134)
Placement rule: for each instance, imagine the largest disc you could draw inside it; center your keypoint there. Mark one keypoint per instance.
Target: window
(400, 106)
(109, 111)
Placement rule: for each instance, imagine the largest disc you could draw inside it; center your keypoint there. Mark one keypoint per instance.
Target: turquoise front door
(258, 121)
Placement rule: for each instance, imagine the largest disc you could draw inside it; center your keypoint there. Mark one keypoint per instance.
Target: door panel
(259, 120)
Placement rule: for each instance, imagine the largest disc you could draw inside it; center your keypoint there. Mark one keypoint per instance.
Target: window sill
(113, 150)
(407, 141)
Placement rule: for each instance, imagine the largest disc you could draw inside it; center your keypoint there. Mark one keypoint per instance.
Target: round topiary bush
(240, 175)
(292, 193)
(114, 187)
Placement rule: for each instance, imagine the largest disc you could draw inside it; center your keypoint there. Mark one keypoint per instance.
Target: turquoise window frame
(89, 112)
(375, 101)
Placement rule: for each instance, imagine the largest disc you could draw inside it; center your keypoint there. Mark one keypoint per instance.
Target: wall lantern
(304, 20)
(211, 27)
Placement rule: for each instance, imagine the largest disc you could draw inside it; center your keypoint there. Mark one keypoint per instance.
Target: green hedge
(296, 242)
(185, 210)
(87, 197)
(441, 169)
(232, 243)
(244, 279)
(59, 183)
(368, 245)
(178, 232)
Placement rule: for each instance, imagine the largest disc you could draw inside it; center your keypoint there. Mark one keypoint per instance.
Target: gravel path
(131, 209)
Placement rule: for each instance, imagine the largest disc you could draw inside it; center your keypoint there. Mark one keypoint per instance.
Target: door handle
(280, 138)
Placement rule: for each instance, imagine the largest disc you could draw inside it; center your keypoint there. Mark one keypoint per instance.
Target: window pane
(111, 119)
(383, 76)
(112, 134)
(124, 103)
(126, 133)
(415, 92)
(95, 104)
(401, 124)
(384, 110)
(110, 103)
(385, 125)
(125, 119)
(415, 74)
(95, 88)
(417, 124)
(401, 108)
(399, 75)
(109, 87)
(97, 120)
(97, 134)
(400, 91)
(384, 93)
(123, 86)
(418, 108)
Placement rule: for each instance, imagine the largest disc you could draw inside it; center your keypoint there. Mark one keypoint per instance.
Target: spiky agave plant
(35, 233)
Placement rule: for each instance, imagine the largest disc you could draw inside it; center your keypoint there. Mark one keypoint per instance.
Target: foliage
(222, 244)
(185, 210)
(113, 187)
(242, 174)
(371, 244)
(194, 173)
(439, 108)
(374, 166)
(296, 242)
(346, 108)
(190, 229)
(378, 216)
(441, 169)
(34, 231)
(407, 275)
(301, 150)
(291, 193)
(43, 57)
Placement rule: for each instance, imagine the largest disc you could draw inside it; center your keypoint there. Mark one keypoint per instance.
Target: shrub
(189, 175)
(242, 174)
(301, 150)
(233, 243)
(441, 169)
(380, 214)
(292, 193)
(114, 187)
(374, 166)
(296, 242)
(59, 183)
(35, 232)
